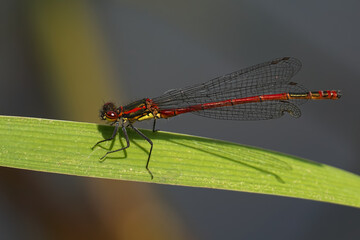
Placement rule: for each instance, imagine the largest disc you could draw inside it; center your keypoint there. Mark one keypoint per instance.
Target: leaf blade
(65, 147)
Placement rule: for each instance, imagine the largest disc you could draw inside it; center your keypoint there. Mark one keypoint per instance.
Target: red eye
(111, 116)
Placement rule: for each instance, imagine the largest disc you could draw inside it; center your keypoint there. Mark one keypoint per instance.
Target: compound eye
(111, 116)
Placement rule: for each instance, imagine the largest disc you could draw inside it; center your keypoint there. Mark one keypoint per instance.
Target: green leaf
(65, 147)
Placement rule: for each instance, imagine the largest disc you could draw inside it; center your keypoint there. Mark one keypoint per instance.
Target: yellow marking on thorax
(148, 116)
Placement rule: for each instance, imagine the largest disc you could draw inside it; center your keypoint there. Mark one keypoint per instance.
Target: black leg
(149, 141)
(154, 125)
(116, 129)
(120, 149)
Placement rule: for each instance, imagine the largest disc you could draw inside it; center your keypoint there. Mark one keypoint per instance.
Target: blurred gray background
(142, 49)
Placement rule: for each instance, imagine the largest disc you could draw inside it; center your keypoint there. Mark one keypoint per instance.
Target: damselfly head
(109, 112)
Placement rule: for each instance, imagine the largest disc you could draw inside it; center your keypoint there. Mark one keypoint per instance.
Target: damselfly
(260, 92)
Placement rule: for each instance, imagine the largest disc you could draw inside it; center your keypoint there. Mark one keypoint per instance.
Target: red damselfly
(260, 92)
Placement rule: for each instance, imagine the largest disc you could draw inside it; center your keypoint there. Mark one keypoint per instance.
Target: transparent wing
(267, 78)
